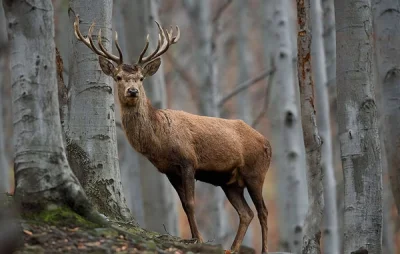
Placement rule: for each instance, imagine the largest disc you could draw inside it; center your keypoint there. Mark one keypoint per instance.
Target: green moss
(60, 216)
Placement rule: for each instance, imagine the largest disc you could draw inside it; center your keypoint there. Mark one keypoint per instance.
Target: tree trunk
(160, 204)
(312, 141)
(330, 223)
(42, 173)
(358, 127)
(128, 157)
(387, 32)
(286, 124)
(4, 164)
(244, 62)
(329, 35)
(90, 122)
(213, 198)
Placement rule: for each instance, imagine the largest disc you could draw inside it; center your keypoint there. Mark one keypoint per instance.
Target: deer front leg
(184, 186)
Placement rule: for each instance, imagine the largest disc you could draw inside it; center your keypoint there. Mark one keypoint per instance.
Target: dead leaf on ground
(27, 232)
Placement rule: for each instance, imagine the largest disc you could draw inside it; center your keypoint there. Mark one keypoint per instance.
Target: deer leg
(236, 198)
(184, 186)
(255, 191)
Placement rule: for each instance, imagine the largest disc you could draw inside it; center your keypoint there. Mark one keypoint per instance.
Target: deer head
(129, 78)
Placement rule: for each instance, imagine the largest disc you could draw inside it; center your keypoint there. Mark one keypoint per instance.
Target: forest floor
(60, 230)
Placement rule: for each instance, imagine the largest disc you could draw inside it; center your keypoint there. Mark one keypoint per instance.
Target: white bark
(330, 223)
(4, 164)
(128, 157)
(90, 121)
(42, 172)
(160, 204)
(244, 62)
(312, 141)
(358, 127)
(329, 35)
(286, 129)
(387, 31)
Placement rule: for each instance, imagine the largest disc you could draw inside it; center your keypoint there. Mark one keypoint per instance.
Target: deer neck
(141, 122)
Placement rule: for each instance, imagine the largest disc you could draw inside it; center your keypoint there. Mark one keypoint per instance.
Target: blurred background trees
(228, 63)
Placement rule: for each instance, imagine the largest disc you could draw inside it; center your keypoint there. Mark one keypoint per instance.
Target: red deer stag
(183, 146)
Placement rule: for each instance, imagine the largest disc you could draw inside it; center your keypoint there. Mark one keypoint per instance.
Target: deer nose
(133, 92)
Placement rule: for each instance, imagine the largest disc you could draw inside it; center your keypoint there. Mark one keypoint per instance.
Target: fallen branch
(245, 85)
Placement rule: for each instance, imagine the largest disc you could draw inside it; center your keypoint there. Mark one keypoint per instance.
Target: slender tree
(387, 39)
(200, 12)
(329, 35)
(4, 165)
(90, 120)
(42, 172)
(358, 127)
(319, 65)
(312, 140)
(245, 61)
(160, 204)
(128, 157)
(286, 123)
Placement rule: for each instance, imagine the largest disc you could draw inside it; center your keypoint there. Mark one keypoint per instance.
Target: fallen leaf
(28, 232)
(73, 229)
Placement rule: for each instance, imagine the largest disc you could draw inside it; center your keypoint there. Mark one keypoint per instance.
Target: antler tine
(81, 38)
(118, 48)
(144, 50)
(162, 47)
(160, 43)
(108, 54)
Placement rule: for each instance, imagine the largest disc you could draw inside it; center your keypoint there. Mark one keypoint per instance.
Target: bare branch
(186, 76)
(220, 10)
(245, 85)
(266, 101)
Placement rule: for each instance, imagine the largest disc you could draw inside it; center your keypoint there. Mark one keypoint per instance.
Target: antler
(89, 42)
(163, 36)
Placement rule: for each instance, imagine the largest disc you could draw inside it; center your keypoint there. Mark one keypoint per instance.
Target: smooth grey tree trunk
(90, 120)
(312, 140)
(244, 62)
(387, 39)
(160, 204)
(128, 157)
(329, 34)
(319, 65)
(358, 127)
(213, 224)
(4, 164)
(286, 129)
(42, 172)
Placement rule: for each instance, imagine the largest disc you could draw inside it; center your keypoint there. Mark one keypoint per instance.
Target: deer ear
(151, 68)
(106, 66)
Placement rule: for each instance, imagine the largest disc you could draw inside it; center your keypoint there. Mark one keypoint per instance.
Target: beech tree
(43, 176)
(160, 204)
(358, 127)
(285, 119)
(387, 32)
(90, 117)
(4, 165)
(320, 67)
(312, 140)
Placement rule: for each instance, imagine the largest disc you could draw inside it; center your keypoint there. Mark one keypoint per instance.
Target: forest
(199, 126)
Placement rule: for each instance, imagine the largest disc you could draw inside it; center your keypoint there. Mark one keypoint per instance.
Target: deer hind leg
(234, 193)
(184, 186)
(254, 186)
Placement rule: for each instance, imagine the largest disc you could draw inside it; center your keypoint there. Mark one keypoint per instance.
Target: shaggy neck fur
(142, 123)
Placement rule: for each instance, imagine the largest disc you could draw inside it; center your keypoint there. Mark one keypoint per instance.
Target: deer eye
(141, 79)
(119, 78)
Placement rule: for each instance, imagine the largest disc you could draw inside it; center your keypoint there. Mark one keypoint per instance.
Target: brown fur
(185, 147)
(222, 152)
